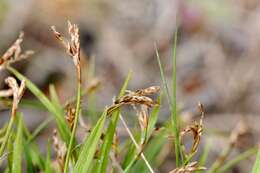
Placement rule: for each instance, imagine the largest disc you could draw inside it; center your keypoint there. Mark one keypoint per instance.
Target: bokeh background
(218, 54)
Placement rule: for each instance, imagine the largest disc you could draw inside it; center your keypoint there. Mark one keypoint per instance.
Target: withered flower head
(138, 97)
(73, 46)
(143, 117)
(14, 53)
(148, 91)
(191, 167)
(70, 116)
(60, 149)
(15, 90)
(196, 129)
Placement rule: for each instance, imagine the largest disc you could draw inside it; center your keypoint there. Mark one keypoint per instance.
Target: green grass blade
(60, 120)
(89, 147)
(24, 103)
(48, 168)
(153, 118)
(205, 153)
(18, 149)
(28, 158)
(175, 123)
(152, 150)
(39, 129)
(172, 103)
(7, 136)
(256, 168)
(72, 142)
(231, 163)
(26, 149)
(106, 146)
(54, 97)
(131, 158)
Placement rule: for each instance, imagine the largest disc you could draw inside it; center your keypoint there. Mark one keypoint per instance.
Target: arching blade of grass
(54, 97)
(28, 158)
(48, 168)
(60, 120)
(6, 136)
(18, 148)
(89, 146)
(106, 146)
(256, 168)
(26, 149)
(40, 128)
(172, 103)
(229, 164)
(24, 103)
(204, 155)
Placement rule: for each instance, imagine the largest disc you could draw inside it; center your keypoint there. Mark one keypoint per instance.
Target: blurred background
(217, 54)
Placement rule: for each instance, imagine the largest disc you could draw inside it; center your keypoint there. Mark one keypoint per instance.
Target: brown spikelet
(138, 97)
(143, 117)
(14, 53)
(190, 168)
(70, 115)
(148, 91)
(73, 45)
(196, 130)
(60, 149)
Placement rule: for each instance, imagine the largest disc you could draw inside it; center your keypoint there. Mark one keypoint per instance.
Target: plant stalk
(75, 125)
(135, 143)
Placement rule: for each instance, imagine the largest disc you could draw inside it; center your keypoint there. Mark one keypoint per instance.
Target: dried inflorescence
(138, 97)
(14, 53)
(240, 130)
(60, 149)
(196, 129)
(189, 168)
(15, 90)
(70, 115)
(143, 117)
(72, 46)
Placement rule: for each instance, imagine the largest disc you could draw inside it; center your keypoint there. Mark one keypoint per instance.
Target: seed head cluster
(14, 90)
(14, 53)
(189, 168)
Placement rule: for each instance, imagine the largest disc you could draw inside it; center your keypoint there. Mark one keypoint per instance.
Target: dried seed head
(148, 91)
(93, 86)
(143, 117)
(60, 149)
(70, 116)
(6, 93)
(196, 130)
(14, 53)
(15, 90)
(136, 99)
(191, 167)
(73, 46)
(240, 130)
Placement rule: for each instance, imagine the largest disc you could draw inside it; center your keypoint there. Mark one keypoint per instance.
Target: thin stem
(174, 102)
(8, 131)
(135, 143)
(75, 125)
